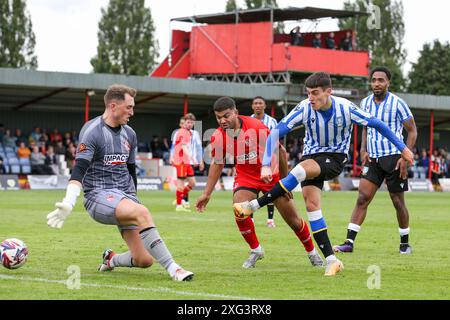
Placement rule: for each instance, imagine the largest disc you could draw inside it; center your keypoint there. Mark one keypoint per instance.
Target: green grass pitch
(210, 245)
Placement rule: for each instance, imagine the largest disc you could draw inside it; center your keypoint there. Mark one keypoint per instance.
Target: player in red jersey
(183, 159)
(244, 138)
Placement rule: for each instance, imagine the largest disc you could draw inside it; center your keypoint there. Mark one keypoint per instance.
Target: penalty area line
(120, 287)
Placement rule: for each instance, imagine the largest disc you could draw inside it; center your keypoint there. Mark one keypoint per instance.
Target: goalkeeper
(105, 169)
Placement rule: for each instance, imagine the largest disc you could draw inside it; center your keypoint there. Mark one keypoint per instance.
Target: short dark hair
(259, 97)
(223, 104)
(318, 79)
(117, 92)
(386, 71)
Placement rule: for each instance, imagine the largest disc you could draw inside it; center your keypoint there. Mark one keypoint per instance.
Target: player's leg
(270, 213)
(287, 210)
(247, 228)
(366, 192)
(312, 194)
(130, 213)
(398, 200)
(181, 179)
(308, 169)
(188, 187)
(397, 188)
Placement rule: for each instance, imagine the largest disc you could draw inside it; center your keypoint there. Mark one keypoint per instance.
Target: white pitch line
(96, 285)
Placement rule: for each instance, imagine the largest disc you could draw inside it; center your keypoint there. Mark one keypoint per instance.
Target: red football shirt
(183, 137)
(245, 151)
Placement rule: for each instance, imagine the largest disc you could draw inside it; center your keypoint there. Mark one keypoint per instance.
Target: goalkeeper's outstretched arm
(56, 218)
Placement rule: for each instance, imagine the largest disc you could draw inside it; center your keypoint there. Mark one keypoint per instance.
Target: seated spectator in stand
(317, 41)
(8, 139)
(35, 135)
(67, 137)
(2, 131)
(55, 136)
(297, 38)
(37, 160)
(50, 160)
(59, 148)
(166, 149)
(67, 142)
(74, 135)
(2, 166)
(20, 137)
(70, 156)
(347, 42)
(23, 151)
(43, 143)
(330, 42)
(156, 148)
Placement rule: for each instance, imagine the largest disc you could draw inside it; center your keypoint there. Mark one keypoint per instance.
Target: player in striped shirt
(258, 107)
(328, 124)
(381, 159)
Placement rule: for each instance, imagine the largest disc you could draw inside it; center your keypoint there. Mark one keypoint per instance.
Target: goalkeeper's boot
(347, 246)
(254, 256)
(315, 259)
(270, 223)
(334, 267)
(182, 275)
(242, 209)
(107, 256)
(405, 248)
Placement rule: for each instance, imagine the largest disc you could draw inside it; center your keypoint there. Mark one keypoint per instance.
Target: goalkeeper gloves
(56, 218)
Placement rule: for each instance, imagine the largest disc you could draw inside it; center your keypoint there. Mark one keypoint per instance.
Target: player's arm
(63, 209)
(215, 171)
(363, 118)
(364, 155)
(411, 129)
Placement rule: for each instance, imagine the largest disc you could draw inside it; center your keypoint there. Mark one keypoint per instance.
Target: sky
(66, 31)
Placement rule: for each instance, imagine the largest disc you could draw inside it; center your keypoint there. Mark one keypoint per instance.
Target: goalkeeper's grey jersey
(108, 152)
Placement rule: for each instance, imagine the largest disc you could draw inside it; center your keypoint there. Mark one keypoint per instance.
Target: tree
(256, 4)
(17, 39)
(431, 73)
(381, 34)
(126, 41)
(231, 6)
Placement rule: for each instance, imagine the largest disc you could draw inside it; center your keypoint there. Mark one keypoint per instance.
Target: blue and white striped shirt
(268, 121)
(393, 111)
(329, 131)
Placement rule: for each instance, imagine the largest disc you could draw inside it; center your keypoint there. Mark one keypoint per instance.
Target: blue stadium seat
(24, 161)
(11, 155)
(15, 169)
(9, 149)
(13, 160)
(2, 154)
(6, 168)
(26, 169)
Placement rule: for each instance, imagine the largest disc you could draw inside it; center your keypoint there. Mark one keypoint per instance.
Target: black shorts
(384, 168)
(331, 165)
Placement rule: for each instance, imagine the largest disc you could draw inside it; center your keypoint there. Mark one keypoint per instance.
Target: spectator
(37, 160)
(60, 148)
(74, 135)
(55, 136)
(43, 143)
(330, 42)
(165, 149)
(9, 140)
(2, 166)
(23, 151)
(317, 41)
(20, 137)
(156, 147)
(297, 38)
(70, 156)
(424, 160)
(67, 142)
(2, 131)
(67, 138)
(50, 160)
(347, 42)
(35, 135)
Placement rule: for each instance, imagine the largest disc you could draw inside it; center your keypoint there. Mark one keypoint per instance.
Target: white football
(13, 253)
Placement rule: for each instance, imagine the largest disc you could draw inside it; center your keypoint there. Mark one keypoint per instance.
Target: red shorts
(255, 185)
(184, 170)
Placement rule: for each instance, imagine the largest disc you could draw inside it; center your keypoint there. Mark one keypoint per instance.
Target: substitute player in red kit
(244, 139)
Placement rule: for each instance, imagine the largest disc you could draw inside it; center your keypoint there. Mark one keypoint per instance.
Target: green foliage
(431, 73)
(126, 39)
(17, 39)
(383, 38)
(231, 6)
(210, 245)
